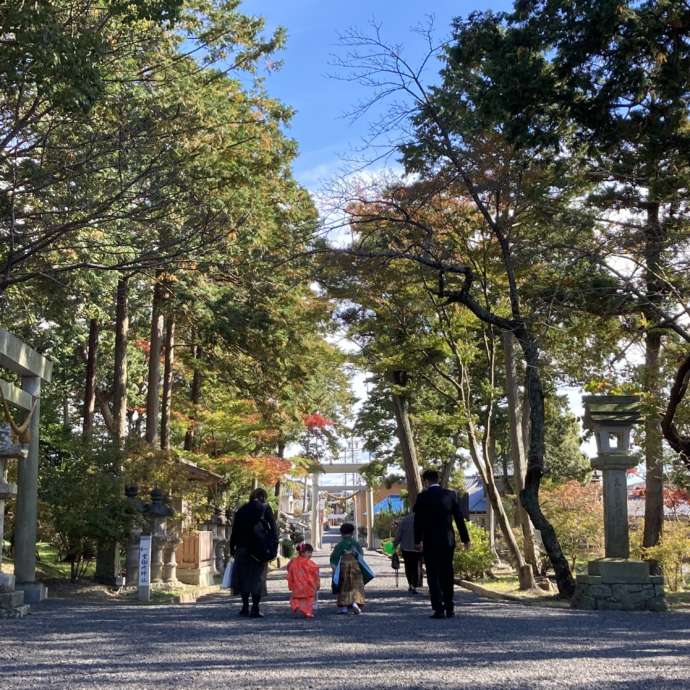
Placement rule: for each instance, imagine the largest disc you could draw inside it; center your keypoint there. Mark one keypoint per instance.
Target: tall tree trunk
(120, 370)
(108, 550)
(446, 472)
(517, 452)
(166, 406)
(90, 388)
(278, 485)
(154, 373)
(529, 496)
(486, 474)
(194, 397)
(653, 450)
(405, 437)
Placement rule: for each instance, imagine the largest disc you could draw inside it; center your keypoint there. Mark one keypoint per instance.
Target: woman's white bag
(227, 575)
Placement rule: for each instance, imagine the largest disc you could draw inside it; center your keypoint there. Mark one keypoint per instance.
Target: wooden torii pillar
(33, 368)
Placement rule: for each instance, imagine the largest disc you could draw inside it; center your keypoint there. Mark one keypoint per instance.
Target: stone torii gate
(32, 368)
(339, 468)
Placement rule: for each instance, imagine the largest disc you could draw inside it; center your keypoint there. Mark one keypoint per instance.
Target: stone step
(7, 582)
(7, 490)
(16, 612)
(10, 600)
(502, 570)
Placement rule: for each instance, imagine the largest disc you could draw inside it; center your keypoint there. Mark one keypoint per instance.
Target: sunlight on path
(67, 644)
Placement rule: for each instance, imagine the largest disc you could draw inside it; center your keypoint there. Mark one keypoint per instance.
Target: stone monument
(615, 581)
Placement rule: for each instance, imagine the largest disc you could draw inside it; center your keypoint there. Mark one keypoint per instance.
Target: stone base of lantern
(619, 584)
(11, 602)
(34, 592)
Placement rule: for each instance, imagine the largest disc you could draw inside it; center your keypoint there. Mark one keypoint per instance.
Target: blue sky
(323, 133)
(320, 102)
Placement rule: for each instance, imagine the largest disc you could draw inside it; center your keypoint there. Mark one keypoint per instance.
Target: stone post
(315, 512)
(132, 563)
(370, 517)
(27, 506)
(616, 531)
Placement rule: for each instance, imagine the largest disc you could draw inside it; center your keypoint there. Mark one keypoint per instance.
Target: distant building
(385, 498)
(676, 505)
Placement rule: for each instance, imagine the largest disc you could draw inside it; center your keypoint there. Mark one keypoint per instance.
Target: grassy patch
(509, 585)
(505, 584)
(681, 598)
(49, 566)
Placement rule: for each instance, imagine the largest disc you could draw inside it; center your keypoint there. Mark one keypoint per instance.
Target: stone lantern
(137, 507)
(616, 582)
(11, 601)
(611, 419)
(158, 512)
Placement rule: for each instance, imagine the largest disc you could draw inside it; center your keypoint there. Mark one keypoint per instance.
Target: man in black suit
(434, 512)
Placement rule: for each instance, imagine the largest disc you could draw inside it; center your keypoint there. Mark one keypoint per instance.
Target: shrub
(671, 551)
(287, 548)
(472, 563)
(383, 524)
(84, 501)
(576, 513)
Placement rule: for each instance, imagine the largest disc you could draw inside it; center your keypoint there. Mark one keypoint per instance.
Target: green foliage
(169, 165)
(385, 523)
(472, 563)
(672, 551)
(82, 494)
(563, 459)
(287, 548)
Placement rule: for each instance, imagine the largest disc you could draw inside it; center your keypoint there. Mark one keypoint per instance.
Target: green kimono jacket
(343, 546)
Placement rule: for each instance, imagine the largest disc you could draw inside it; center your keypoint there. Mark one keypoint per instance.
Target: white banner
(144, 560)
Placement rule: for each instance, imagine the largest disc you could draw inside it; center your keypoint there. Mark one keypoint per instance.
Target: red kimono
(303, 582)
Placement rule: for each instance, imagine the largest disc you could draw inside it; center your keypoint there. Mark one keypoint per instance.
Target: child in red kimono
(303, 581)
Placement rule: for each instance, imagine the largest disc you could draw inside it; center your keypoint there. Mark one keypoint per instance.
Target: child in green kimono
(350, 573)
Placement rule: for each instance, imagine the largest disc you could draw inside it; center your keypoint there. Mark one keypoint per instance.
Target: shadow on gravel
(116, 645)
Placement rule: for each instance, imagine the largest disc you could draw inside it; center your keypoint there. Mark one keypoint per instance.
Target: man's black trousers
(439, 576)
(413, 568)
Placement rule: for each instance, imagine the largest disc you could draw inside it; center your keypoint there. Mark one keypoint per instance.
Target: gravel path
(70, 644)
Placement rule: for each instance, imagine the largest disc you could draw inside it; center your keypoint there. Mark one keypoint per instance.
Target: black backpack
(264, 546)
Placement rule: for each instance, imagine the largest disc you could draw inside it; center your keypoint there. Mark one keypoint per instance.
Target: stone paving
(72, 644)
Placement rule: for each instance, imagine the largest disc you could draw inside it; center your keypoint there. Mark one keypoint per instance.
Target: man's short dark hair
(259, 495)
(346, 529)
(430, 476)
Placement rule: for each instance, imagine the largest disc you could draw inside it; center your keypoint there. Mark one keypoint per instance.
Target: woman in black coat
(252, 527)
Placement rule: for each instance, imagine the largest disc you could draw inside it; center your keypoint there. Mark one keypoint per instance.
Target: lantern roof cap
(611, 410)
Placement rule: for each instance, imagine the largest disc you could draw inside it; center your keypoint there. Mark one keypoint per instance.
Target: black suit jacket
(434, 512)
